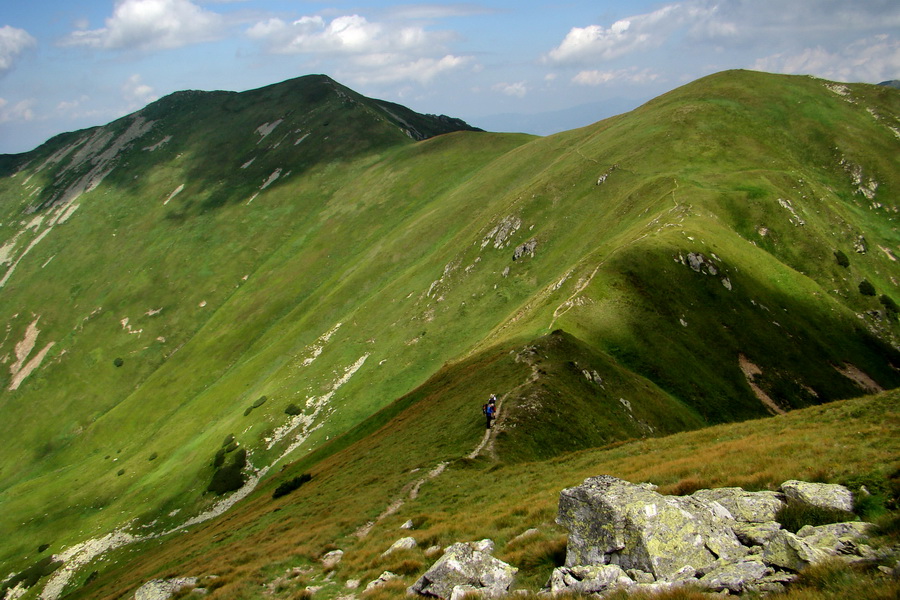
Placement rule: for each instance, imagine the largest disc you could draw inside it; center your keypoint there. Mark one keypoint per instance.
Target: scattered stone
(860, 245)
(163, 589)
(433, 551)
(382, 579)
(352, 584)
(466, 564)
(525, 534)
(526, 248)
(408, 525)
(330, 560)
(820, 495)
(407, 543)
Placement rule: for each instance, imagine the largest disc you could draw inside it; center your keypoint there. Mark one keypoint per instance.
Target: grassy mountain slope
(356, 478)
(193, 271)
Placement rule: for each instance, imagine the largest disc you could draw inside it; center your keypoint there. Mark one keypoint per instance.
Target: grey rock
(836, 538)
(331, 559)
(821, 495)
(382, 579)
(733, 576)
(466, 564)
(524, 249)
(641, 576)
(755, 534)
(787, 551)
(408, 525)
(614, 521)
(407, 543)
(465, 591)
(744, 506)
(163, 589)
(588, 579)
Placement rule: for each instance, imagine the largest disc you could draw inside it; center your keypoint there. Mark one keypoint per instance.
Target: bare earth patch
(750, 370)
(862, 380)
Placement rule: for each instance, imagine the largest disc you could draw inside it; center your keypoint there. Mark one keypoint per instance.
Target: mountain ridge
(659, 266)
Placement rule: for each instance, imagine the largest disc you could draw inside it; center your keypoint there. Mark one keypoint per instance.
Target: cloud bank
(13, 42)
(151, 25)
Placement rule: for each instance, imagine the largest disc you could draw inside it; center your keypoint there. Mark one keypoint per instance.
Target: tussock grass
(836, 580)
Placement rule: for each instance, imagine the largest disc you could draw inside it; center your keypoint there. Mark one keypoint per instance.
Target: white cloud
(21, 111)
(796, 30)
(392, 69)
(344, 35)
(151, 24)
(364, 51)
(632, 75)
(13, 42)
(871, 59)
(137, 93)
(595, 42)
(517, 89)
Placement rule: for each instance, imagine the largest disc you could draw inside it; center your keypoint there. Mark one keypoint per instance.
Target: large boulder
(820, 495)
(744, 506)
(788, 551)
(588, 579)
(614, 521)
(836, 538)
(468, 566)
(732, 577)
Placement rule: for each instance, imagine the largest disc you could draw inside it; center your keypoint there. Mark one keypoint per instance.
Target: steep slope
(658, 271)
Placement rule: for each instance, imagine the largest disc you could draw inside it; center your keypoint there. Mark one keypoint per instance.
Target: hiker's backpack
(484, 409)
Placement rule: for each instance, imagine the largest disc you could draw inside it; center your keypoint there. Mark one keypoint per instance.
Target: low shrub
(866, 288)
(889, 305)
(229, 439)
(219, 458)
(292, 410)
(153, 456)
(841, 259)
(795, 515)
(229, 477)
(119, 362)
(289, 486)
(30, 576)
(260, 401)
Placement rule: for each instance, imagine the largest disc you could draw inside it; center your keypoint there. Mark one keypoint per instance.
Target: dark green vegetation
(290, 485)
(694, 262)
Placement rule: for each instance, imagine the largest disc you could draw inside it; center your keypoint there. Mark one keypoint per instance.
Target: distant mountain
(894, 83)
(222, 284)
(550, 122)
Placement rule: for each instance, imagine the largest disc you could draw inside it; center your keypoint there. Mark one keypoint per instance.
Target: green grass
(385, 243)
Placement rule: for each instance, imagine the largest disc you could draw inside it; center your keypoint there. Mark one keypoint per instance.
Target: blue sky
(69, 64)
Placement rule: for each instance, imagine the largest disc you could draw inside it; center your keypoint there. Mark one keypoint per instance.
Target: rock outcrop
(727, 540)
(163, 589)
(465, 568)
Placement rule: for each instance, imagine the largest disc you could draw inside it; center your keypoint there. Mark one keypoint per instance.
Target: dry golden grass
(473, 500)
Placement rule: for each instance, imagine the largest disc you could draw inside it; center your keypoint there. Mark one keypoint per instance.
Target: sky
(535, 66)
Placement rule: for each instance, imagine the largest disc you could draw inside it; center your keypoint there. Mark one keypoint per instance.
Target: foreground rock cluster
(624, 535)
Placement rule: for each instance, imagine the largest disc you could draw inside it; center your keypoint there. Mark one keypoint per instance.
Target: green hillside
(293, 268)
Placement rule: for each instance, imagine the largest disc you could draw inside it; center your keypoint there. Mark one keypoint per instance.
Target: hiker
(490, 410)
